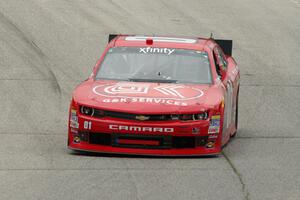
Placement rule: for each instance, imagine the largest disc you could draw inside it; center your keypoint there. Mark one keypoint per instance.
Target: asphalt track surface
(48, 47)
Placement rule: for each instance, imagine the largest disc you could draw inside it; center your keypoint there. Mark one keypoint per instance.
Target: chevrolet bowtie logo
(142, 117)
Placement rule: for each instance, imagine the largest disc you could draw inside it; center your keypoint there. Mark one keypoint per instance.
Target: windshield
(148, 64)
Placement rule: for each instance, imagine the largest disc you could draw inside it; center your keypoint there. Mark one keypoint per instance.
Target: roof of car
(161, 41)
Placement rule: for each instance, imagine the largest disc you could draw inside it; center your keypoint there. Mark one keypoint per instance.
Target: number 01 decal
(87, 125)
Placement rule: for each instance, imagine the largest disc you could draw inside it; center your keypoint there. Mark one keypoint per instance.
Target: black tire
(236, 114)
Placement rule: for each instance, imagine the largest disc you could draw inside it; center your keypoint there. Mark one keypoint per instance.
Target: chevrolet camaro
(157, 95)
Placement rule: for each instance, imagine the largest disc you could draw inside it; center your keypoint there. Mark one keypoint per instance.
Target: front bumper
(186, 139)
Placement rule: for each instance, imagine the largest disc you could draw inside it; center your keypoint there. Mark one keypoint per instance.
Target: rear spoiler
(226, 46)
(111, 37)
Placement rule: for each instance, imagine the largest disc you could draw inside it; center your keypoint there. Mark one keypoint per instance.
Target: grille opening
(130, 116)
(141, 141)
(100, 138)
(183, 142)
(138, 117)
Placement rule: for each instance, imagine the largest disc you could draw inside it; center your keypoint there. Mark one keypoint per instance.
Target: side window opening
(222, 58)
(216, 59)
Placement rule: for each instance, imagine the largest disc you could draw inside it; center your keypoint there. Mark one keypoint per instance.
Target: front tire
(236, 114)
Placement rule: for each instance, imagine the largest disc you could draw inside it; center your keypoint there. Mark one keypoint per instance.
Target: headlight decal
(87, 110)
(198, 116)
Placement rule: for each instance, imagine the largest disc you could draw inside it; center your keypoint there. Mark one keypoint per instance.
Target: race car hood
(147, 98)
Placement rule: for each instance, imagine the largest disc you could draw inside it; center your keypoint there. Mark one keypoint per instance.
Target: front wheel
(236, 114)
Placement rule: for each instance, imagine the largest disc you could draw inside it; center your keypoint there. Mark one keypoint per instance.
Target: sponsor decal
(170, 90)
(74, 119)
(147, 50)
(214, 126)
(74, 130)
(212, 136)
(144, 100)
(124, 89)
(213, 129)
(143, 93)
(74, 124)
(74, 114)
(140, 128)
(215, 120)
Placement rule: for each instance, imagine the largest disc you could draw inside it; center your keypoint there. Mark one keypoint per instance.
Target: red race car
(151, 95)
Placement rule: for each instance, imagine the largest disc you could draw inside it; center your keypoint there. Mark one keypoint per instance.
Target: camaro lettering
(135, 128)
(140, 128)
(156, 50)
